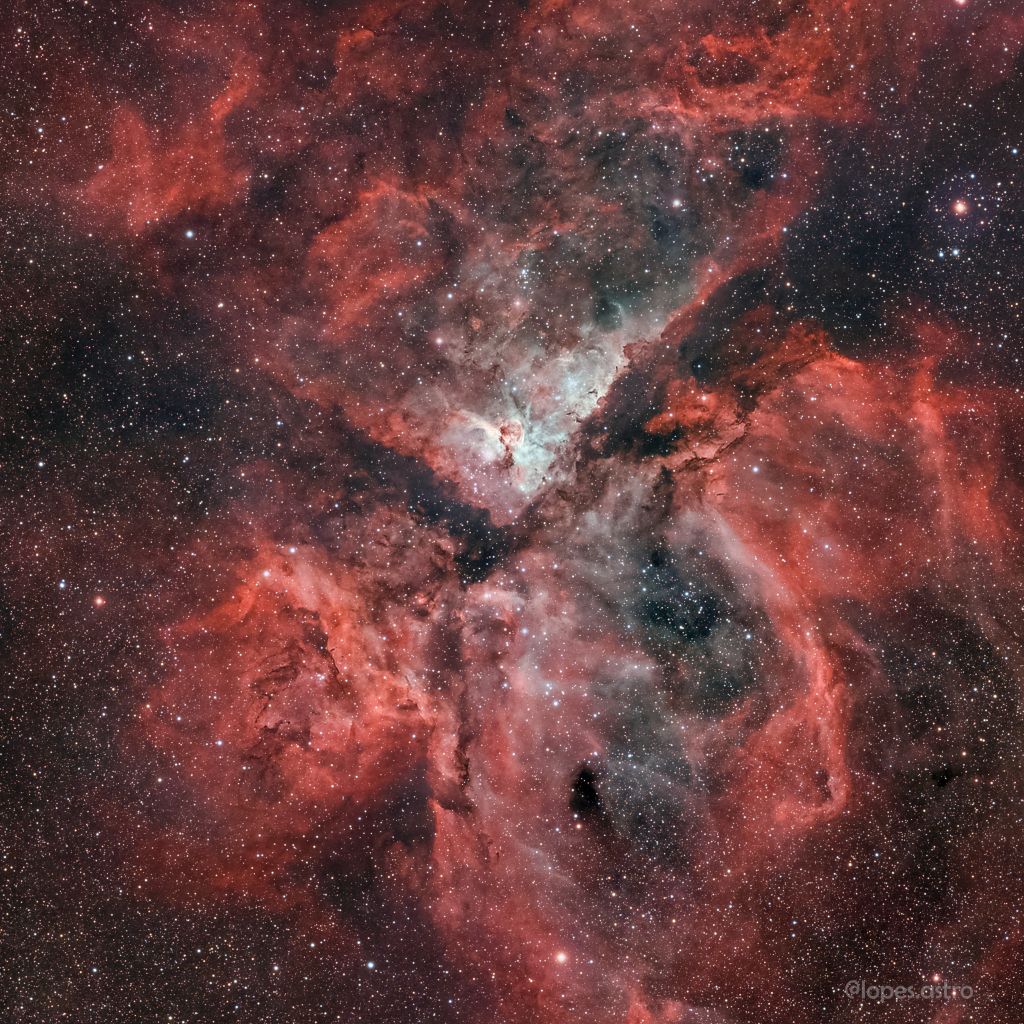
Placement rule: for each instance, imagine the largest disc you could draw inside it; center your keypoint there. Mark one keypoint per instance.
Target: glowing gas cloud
(513, 510)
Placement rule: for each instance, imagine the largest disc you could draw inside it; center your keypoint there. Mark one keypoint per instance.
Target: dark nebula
(512, 511)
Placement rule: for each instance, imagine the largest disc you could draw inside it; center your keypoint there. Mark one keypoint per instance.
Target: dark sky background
(511, 511)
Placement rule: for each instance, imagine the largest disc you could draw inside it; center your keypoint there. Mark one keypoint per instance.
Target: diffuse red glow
(577, 589)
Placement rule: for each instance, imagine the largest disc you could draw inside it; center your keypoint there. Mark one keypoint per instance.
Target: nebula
(512, 511)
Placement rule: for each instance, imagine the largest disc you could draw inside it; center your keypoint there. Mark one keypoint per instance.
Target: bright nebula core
(512, 511)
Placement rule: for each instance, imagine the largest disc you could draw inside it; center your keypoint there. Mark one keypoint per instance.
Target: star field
(511, 511)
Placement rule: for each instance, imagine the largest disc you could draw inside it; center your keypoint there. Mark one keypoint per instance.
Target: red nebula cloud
(144, 183)
(575, 566)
